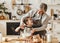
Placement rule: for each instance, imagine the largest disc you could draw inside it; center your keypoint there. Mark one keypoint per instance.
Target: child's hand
(22, 26)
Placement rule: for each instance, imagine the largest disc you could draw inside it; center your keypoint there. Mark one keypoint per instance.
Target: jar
(49, 37)
(2, 16)
(0, 37)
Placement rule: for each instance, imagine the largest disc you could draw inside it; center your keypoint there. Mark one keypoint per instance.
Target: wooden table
(54, 40)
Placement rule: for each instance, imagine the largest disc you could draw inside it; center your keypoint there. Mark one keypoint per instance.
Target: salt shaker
(0, 37)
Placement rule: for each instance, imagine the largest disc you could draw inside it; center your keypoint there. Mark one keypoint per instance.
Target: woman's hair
(43, 5)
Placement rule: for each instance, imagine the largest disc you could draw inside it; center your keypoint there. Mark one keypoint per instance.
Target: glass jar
(0, 37)
(2, 15)
(49, 36)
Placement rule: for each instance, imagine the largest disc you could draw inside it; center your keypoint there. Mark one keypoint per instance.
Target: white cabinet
(56, 29)
(50, 2)
(57, 1)
(4, 24)
(43, 1)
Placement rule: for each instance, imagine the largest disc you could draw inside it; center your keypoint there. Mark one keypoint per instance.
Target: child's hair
(26, 19)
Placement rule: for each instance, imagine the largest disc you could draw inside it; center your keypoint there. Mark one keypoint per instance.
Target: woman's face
(42, 7)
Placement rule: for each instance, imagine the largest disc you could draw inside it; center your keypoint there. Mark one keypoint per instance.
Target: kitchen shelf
(22, 4)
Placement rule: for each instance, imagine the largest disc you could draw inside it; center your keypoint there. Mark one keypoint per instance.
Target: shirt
(31, 13)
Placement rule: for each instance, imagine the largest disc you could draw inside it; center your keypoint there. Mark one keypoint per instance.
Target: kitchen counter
(54, 40)
(9, 20)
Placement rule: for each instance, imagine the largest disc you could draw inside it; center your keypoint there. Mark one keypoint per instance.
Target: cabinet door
(57, 27)
(1, 1)
(57, 1)
(56, 30)
(49, 2)
(44, 1)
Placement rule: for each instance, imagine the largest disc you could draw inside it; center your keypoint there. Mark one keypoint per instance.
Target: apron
(36, 24)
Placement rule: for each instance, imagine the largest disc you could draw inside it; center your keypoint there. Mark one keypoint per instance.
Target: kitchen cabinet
(57, 1)
(50, 2)
(47, 1)
(56, 29)
(8, 24)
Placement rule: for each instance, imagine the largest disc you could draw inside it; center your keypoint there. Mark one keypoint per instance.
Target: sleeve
(17, 29)
(44, 26)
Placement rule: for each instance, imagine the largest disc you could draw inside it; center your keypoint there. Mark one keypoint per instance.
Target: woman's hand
(33, 30)
(41, 12)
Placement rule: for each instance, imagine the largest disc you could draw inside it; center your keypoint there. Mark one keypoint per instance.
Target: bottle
(0, 37)
(49, 36)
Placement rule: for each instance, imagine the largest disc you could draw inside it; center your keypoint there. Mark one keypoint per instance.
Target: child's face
(30, 21)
